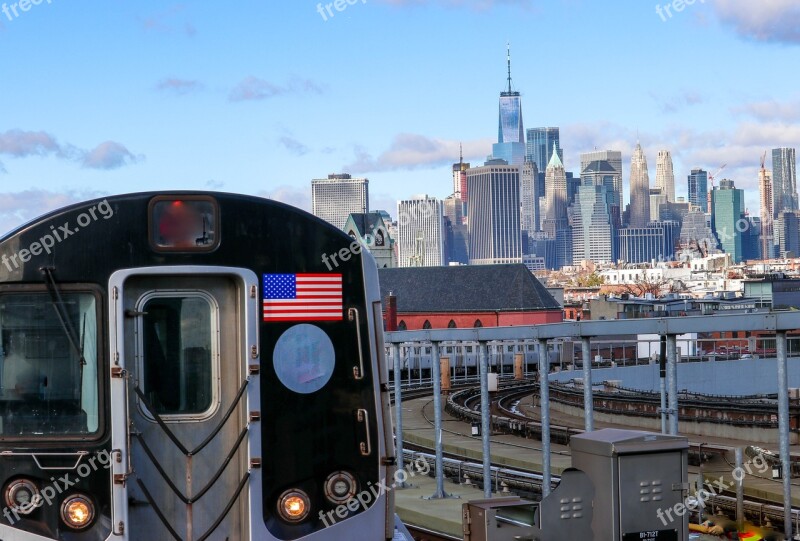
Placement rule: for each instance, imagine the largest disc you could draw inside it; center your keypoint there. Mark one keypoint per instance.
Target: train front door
(182, 382)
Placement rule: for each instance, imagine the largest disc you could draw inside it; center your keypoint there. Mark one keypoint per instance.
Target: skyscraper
(784, 180)
(510, 144)
(529, 198)
(696, 232)
(639, 213)
(665, 176)
(555, 216)
(493, 215)
(594, 235)
(698, 189)
(644, 244)
(420, 232)
(604, 168)
(657, 198)
(460, 179)
(767, 215)
(456, 247)
(540, 145)
(728, 218)
(787, 233)
(335, 198)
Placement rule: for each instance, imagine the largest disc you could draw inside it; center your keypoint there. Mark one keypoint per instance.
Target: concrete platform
(413, 505)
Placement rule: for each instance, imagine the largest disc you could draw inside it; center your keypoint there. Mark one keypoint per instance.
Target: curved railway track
(465, 404)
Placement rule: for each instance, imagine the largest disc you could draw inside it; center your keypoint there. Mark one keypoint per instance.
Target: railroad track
(466, 405)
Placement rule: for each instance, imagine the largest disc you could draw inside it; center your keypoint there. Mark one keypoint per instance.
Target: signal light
(294, 505)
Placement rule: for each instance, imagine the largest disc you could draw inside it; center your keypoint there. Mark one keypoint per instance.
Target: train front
(190, 366)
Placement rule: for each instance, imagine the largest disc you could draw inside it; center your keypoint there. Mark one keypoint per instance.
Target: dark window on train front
(45, 389)
(178, 348)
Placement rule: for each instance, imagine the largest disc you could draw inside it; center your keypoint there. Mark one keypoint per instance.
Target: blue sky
(260, 97)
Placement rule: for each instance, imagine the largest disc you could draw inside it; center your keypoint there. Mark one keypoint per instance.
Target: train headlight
(21, 496)
(77, 512)
(294, 505)
(340, 487)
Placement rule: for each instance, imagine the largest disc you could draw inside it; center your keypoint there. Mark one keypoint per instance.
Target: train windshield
(48, 385)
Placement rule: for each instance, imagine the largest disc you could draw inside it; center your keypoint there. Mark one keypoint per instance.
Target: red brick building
(465, 297)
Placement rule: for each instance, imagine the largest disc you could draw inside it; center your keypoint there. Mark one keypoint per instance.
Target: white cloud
(771, 110)
(252, 88)
(181, 87)
(17, 208)
(764, 20)
(291, 195)
(109, 155)
(24, 144)
(293, 145)
(413, 151)
(479, 5)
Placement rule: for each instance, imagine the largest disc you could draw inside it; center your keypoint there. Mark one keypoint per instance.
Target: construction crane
(711, 179)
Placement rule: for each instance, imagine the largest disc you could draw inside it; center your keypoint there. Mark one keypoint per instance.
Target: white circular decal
(304, 358)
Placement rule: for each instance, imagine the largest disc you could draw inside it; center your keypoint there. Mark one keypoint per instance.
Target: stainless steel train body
(186, 366)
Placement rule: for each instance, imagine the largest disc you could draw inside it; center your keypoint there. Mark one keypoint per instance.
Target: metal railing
(777, 324)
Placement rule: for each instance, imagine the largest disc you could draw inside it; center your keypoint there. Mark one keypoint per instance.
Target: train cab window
(178, 351)
(183, 224)
(48, 365)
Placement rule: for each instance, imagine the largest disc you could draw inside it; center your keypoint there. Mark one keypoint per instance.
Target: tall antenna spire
(508, 48)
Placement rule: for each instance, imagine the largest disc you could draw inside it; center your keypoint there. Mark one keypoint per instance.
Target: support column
(486, 420)
(436, 374)
(544, 395)
(398, 407)
(662, 372)
(672, 376)
(784, 430)
(588, 397)
(739, 488)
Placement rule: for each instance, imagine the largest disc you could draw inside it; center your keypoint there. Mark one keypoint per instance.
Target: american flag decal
(303, 297)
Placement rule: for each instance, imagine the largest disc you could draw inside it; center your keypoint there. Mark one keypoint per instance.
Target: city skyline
(181, 81)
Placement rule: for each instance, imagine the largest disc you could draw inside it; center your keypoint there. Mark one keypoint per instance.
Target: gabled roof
(366, 223)
(466, 288)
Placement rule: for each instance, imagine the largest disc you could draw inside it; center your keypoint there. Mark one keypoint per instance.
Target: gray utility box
(640, 483)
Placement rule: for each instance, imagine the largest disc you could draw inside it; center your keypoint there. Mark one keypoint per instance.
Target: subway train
(187, 366)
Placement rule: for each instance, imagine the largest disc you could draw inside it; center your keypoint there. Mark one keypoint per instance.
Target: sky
(260, 97)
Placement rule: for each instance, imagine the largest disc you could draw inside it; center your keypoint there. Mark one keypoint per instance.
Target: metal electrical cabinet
(638, 477)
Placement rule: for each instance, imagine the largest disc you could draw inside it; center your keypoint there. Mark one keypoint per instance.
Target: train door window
(178, 352)
(49, 385)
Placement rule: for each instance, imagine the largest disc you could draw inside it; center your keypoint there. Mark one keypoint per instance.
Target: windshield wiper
(63, 318)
